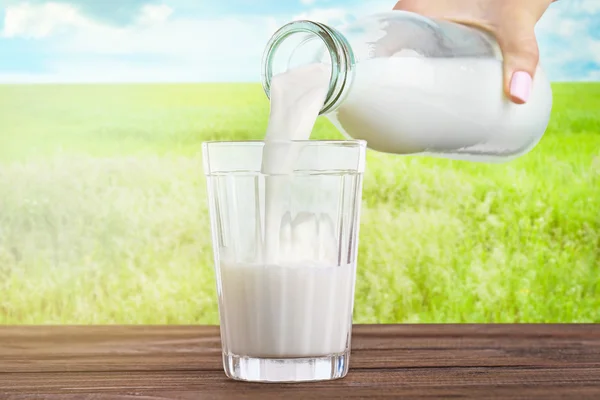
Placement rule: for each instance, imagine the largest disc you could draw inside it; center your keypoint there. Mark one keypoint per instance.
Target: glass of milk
(285, 247)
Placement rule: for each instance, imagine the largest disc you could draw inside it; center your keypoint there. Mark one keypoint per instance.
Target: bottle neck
(284, 52)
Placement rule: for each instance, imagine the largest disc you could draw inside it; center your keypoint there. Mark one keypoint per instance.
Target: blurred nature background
(103, 216)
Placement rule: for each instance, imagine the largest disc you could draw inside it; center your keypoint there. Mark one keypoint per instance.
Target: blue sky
(203, 40)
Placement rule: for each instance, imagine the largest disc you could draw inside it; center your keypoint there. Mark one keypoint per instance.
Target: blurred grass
(103, 213)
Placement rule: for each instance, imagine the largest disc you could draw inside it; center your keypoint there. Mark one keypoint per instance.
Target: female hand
(512, 22)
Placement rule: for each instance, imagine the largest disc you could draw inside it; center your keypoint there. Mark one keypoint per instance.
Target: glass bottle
(408, 84)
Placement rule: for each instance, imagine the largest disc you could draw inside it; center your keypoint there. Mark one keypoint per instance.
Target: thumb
(521, 56)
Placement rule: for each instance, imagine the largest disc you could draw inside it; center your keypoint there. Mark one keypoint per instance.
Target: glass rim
(357, 142)
(297, 173)
(256, 147)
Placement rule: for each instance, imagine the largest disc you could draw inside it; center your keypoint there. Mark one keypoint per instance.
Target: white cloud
(595, 50)
(567, 27)
(567, 46)
(590, 6)
(337, 16)
(593, 76)
(332, 16)
(307, 2)
(152, 14)
(45, 19)
(41, 20)
(155, 48)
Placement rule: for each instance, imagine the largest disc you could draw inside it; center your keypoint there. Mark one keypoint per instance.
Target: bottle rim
(338, 48)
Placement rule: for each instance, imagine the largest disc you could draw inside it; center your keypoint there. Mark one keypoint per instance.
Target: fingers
(511, 22)
(434, 7)
(521, 56)
(406, 5)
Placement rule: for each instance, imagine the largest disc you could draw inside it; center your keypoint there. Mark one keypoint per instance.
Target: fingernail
(520, 86)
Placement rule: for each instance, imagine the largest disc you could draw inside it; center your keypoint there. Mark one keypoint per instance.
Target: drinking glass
(285, 244)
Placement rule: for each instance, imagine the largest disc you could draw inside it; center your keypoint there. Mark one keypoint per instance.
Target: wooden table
(391, 361)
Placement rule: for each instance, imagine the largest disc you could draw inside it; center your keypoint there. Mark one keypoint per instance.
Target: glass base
(289, 370)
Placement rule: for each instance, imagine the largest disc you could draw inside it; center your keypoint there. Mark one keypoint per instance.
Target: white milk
(407, 105)
(297, 96)
(283, 311)
(297, 302)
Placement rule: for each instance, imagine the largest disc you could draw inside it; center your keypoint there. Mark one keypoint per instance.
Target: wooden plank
(359, 383)
(105, 348)
(388, 361)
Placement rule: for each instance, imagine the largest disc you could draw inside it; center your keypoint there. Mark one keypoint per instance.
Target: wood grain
(388, 361)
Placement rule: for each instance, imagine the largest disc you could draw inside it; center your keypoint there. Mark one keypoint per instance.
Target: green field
(103, 215)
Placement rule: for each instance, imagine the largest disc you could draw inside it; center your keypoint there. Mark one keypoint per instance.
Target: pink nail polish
(520, 86)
